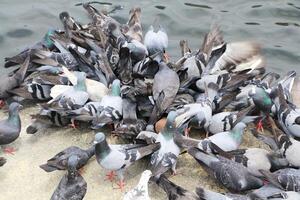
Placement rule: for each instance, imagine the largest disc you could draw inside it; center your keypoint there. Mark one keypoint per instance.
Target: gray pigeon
(175, 192)
(10, 128)
(233, 176)
(72, 185)
(140, 192)
(119, 157)
(290, 195)
(254, 159)
(205, 194)
(60, 160)
(10, 82)
(165, 87)
(166, 157)
(286, 179)
(75, 96)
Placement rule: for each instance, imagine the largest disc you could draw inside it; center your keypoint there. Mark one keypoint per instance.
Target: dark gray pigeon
(72, 186)
(119, 157)
(175, 192)
(10, 82)
(10, 128)
(286, 179)
(60, 160)
(233, 176)
(165, 87)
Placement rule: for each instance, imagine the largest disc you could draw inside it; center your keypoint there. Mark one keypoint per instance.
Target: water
(275, 24)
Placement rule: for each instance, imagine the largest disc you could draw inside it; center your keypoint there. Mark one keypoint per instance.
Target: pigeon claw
(121, 185)
(73, 125)
(2, 104)
(166, 57)
(110, 176)
(187, 132)
(259, 126)
(9, 150)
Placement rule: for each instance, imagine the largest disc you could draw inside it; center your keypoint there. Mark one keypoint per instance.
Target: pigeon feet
(73, 124)
(110, 176)
(259, 126)
(2, 104)
(9, 150)
(166, 57)
(81, 171)
(121, 185)
(187, 132)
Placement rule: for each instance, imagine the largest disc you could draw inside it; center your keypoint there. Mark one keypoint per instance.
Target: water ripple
(19, 33)
(198, 5)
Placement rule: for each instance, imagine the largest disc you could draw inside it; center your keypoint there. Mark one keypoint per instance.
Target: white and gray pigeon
(288, 116)
(74, 97)
(10, 128)
(233, 176)
(140, 191)
(165, 157)
(86, 113)
(287, 179)
(287, 145)
(225, 121)
(72, 185)
(110, 109)
(290, 195)
(156, 41)
(119, 157)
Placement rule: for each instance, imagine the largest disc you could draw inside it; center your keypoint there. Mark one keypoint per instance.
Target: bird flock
(108, 74)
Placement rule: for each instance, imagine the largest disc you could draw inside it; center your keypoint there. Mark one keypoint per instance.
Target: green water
(275, 24)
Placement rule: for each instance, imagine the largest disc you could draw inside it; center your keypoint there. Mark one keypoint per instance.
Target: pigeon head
(80, 85)
(116, 87)
(47, 38)
(15, 107)
(170, 125)
(72, 166)
(101, 146)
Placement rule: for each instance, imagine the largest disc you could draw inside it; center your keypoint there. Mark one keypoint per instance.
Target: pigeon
(72, 185)
(2, 161)
(288, 117)
(286, 179)
(174, 191)
(288, 146)
(233, 176)
(156, 41)
(10, 128)
(73, 97)
(254, 159)
(60, 160)
(163, 94)
(135, 27)
(290, 195)
(119, 157)
(110, 110)
(87, 113)
(205, 194)
(8, 83)
(140, 192)
(166, 157)
(225, 121)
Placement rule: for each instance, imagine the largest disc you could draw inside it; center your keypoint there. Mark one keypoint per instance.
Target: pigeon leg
(110, 176)
(174, 172)
(2, 104)
(121, 183)
(259, 126)
(166, 57)
(81, 171)
(73, 124)
(9, 150)
(187, 132)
